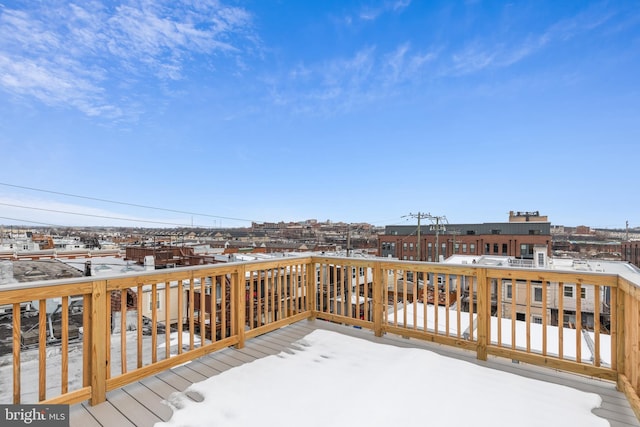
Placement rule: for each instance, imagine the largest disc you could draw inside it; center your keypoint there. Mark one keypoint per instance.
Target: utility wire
(384, 221)
(32, 222)
(122, 203)
(100, 216)
(138, 206)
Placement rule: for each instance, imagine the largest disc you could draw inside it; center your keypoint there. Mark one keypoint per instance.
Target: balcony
(137, 331)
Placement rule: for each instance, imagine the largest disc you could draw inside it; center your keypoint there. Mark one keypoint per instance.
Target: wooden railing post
(240, 302)
(482, 316)
(620, 344)
(99, 331)
(378, 296)
(311, 289)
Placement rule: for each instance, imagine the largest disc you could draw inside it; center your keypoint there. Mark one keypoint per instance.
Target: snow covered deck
(141, 403)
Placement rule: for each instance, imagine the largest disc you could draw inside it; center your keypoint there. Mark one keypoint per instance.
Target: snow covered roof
(624, 269)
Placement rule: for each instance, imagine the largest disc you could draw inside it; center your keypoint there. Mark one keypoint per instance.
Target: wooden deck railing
(139, 325)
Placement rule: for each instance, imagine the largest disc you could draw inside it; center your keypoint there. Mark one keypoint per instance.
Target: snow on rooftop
(624, 269)
(397, 318)
(569, 347)
(102, 266)
(336, 380)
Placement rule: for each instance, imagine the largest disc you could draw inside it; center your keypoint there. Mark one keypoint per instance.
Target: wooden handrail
(367, 293)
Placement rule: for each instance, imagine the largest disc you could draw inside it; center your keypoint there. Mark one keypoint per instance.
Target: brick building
(630, 251)
(516, 238)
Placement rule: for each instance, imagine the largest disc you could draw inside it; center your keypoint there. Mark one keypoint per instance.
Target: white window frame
(567, 291)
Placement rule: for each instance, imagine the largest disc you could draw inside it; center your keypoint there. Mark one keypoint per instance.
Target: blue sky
(359, 111)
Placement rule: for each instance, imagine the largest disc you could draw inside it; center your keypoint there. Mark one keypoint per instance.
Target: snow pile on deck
(335, 380)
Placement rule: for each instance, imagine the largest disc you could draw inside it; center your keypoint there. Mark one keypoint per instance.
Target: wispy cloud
(340, 84)
(482, 53)
(369, 13)
(74, 55)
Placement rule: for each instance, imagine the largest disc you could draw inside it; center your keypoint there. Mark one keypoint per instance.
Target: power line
(133, 205)
(386, 221)
(438, 227)
(96, 216)
(436, 224)
(32, 222)
(122, 203)
(419, 216)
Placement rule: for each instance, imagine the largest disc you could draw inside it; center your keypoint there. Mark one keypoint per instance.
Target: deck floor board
(141, 403)
(134, 411)
(149, 399)
(106, 414)
(81, 417)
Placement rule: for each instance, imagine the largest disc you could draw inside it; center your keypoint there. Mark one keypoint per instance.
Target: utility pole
(627, 236)
(455, 233)
(419, 216)
(437, 228)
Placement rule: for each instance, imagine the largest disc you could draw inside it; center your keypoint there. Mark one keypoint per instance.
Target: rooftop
(144, 403)
(141, 340)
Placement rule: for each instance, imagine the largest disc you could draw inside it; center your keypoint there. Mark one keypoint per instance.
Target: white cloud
(45, 50)
(340, 84)
(400, 4)
(395, 63)
(480, 54)
(372, 13)
(473, 59)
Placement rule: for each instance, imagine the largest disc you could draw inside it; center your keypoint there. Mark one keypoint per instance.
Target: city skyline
(217, 114)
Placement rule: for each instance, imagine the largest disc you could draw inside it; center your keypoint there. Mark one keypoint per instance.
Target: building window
(495, 231)
(487, 247)
(540, 258)
(504, 249)
(495, 248)
(411, 258)
(526, 251)
(568, 291)
(472, 248)
(583, 293)
(404, 246)
(509, 290)
(534, 232)
(157, 301)
(404, 257)
(410, 246)
(569, 320)
(536, 319)
(537, 294)
(464, 248)
(457, 248)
